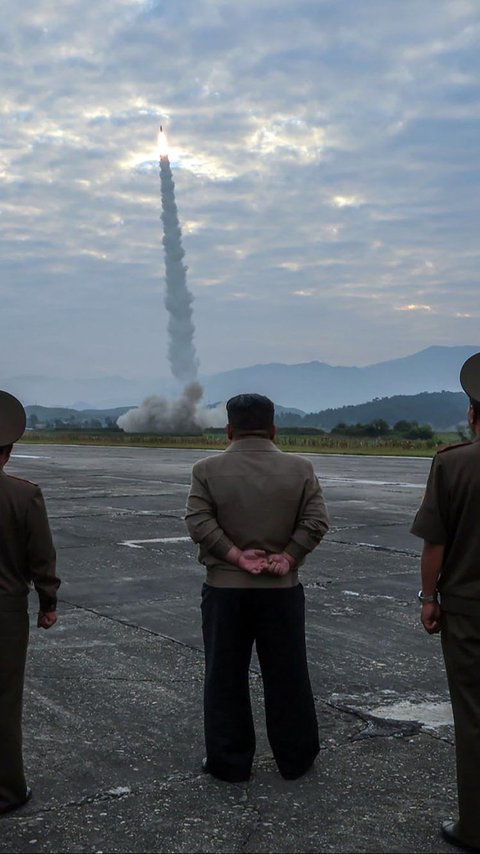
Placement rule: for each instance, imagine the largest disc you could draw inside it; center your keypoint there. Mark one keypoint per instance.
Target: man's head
(470, 382)
(250, 414)
(12, 424)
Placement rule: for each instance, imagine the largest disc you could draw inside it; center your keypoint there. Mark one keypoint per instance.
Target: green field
(323, 444)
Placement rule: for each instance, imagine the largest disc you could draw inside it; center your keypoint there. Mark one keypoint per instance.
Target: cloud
(325, 158)
(413, 307)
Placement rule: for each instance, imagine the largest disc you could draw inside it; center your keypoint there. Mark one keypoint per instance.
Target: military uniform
(255, 496)
(449, 516)
(27, 556)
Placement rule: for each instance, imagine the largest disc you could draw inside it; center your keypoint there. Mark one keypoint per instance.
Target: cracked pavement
(113, 699)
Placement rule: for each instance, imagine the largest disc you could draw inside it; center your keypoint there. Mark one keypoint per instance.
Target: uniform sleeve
(431, 521)
(201, 518)
(312, 520)
(41, 556)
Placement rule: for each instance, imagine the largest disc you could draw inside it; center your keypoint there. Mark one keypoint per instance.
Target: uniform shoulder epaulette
(22, 479)
(451, 447)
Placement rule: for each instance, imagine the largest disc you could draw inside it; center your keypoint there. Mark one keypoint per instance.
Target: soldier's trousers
(13, 651)
(232, 620)
(461, 650)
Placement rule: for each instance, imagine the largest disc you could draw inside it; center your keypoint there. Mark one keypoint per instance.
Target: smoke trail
(185, 415)
(156, 414)
(178, 299)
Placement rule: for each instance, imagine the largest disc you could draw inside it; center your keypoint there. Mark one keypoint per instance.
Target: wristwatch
(426, 600)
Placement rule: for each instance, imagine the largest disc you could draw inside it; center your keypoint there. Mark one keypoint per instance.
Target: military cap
(470, 377)
(12, 419)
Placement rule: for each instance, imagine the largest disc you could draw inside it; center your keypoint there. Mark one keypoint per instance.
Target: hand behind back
(253, 560)
(278, 564)
(256, 561)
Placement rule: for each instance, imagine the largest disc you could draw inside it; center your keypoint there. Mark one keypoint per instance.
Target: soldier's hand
(430, 617)
(253, 560)
(46, 619)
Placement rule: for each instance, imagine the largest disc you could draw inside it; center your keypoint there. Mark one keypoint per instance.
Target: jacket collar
(253, 443)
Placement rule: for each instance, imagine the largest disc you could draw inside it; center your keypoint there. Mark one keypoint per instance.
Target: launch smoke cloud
(184, 415)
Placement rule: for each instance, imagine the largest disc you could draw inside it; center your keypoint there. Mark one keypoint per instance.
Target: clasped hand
(256, 561)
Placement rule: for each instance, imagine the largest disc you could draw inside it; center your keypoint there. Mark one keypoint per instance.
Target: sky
(326, 168)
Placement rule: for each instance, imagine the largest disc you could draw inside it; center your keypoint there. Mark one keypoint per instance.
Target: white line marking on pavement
(326, 479)
(135, 544)
(29, 457)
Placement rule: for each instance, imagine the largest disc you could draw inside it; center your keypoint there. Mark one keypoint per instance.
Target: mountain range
(309, 386)
(445, 410)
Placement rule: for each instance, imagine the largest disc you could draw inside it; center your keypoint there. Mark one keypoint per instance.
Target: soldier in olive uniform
(449, 523)
(27, 556)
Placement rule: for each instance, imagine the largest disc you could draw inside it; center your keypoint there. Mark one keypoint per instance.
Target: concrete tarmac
(113, 730)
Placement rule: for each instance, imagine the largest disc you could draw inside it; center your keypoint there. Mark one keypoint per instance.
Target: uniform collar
(252, 443)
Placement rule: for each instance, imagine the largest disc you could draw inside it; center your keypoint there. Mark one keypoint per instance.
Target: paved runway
(113, 706)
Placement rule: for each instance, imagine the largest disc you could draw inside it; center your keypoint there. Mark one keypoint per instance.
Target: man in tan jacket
(255, 513)
(27, 556)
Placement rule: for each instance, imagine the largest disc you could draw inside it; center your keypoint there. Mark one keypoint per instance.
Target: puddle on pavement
(428, 714)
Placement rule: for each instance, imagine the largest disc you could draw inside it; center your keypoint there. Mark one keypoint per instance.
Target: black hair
(250, 412)
(6, 448)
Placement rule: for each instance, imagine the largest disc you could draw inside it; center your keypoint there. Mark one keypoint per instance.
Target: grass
(327, 444)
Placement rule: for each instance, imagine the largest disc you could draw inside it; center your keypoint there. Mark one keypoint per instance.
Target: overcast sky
(325, 158)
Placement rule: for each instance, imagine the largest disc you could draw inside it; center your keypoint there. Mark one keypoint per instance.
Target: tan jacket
(27, 553)
(254, 496)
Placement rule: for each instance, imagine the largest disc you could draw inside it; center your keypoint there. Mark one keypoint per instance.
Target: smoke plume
(185, 415)
(178, 299)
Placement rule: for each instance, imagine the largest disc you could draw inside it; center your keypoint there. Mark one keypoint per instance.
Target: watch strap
(427, 600)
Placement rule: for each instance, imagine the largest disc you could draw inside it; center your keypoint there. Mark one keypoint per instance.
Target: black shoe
(234, 778)
(450, 834)
(12, 807)
(294, 775)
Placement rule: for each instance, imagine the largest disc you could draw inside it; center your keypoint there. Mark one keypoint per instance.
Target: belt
(218, 576)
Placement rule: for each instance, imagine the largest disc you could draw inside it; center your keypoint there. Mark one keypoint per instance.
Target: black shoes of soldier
(450, 834)
(12, 807)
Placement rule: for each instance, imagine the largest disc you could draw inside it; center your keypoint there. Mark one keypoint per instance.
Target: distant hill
(309, 386)
(444, 410)
(314, 386)
(43, 415)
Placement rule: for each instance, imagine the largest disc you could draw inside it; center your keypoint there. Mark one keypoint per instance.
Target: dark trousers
(461, 651)
(13, 653)
(232, 620)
